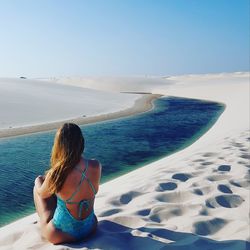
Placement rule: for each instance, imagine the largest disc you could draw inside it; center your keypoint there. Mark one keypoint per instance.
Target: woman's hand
(42, 186)
(41, 177)
(39, 181)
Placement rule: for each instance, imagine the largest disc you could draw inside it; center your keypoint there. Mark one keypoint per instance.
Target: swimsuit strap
(81, 181)
(86, 178)
(79, 184)
(91, 185)
(82, 203)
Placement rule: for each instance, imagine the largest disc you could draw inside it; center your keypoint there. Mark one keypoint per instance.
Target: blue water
(121, 145)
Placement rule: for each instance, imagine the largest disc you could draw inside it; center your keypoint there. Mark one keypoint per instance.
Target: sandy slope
(197, 198)
(25, 102)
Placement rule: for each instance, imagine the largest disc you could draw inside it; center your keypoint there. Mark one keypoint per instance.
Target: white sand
(197, 198)
(116, 84)
(26, 102)
(29, 106)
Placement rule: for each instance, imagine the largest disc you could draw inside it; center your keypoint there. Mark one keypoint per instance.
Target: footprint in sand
(207, 163)
(124, 198)
(242, 162)
(238, 144)
(227, 201)
(218, 177)
(144, 212)
(203, 190)
(225, 168)
(161, 213)
(204, 212)
(244, 149)
(245, 156)
(198, 160)
(224, 189)
(209, 227)
(243, 183)
(198, 191)
(175, 197)
(209, 154)
(166, 186)
(110, 212)
(182, 176)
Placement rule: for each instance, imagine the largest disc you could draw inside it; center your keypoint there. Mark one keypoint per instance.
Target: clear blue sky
(123, 37)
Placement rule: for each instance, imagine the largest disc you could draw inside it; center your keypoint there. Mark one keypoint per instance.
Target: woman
(64, 198)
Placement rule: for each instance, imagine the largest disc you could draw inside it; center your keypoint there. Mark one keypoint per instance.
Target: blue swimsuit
(65, 222)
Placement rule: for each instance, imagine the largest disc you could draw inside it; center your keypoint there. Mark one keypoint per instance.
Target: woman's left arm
(42, 186)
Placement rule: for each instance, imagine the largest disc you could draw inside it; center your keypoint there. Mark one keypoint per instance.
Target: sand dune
(197, 198)
(29, 102)
(115, 84)
(29, 106)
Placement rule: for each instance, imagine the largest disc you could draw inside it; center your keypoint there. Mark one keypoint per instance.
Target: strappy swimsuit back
(63, 219)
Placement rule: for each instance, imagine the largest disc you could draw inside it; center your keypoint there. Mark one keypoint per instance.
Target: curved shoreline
(142, 204)
(143, 102)
(141, 105)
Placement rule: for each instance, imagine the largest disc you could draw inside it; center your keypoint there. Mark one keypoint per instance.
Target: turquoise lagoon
(121, 145)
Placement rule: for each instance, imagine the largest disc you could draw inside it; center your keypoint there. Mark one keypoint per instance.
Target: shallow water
(121, 145)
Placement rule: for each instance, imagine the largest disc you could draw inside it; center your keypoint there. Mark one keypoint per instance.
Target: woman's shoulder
(95, 173)
(94, 164)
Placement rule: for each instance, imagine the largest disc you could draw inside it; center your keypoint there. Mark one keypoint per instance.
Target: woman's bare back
(71, 183)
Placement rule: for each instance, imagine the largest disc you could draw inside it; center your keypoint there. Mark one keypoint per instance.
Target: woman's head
(66, 153)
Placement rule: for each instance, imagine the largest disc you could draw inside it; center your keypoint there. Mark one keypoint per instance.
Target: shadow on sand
(113, 236)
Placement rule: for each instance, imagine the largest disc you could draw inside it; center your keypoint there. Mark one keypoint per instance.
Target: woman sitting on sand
(64, 198)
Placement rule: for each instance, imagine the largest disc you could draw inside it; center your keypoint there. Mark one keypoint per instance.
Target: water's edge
(141, 105)
(116, 123)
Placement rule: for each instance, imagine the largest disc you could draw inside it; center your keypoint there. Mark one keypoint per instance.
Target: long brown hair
(66, 154)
